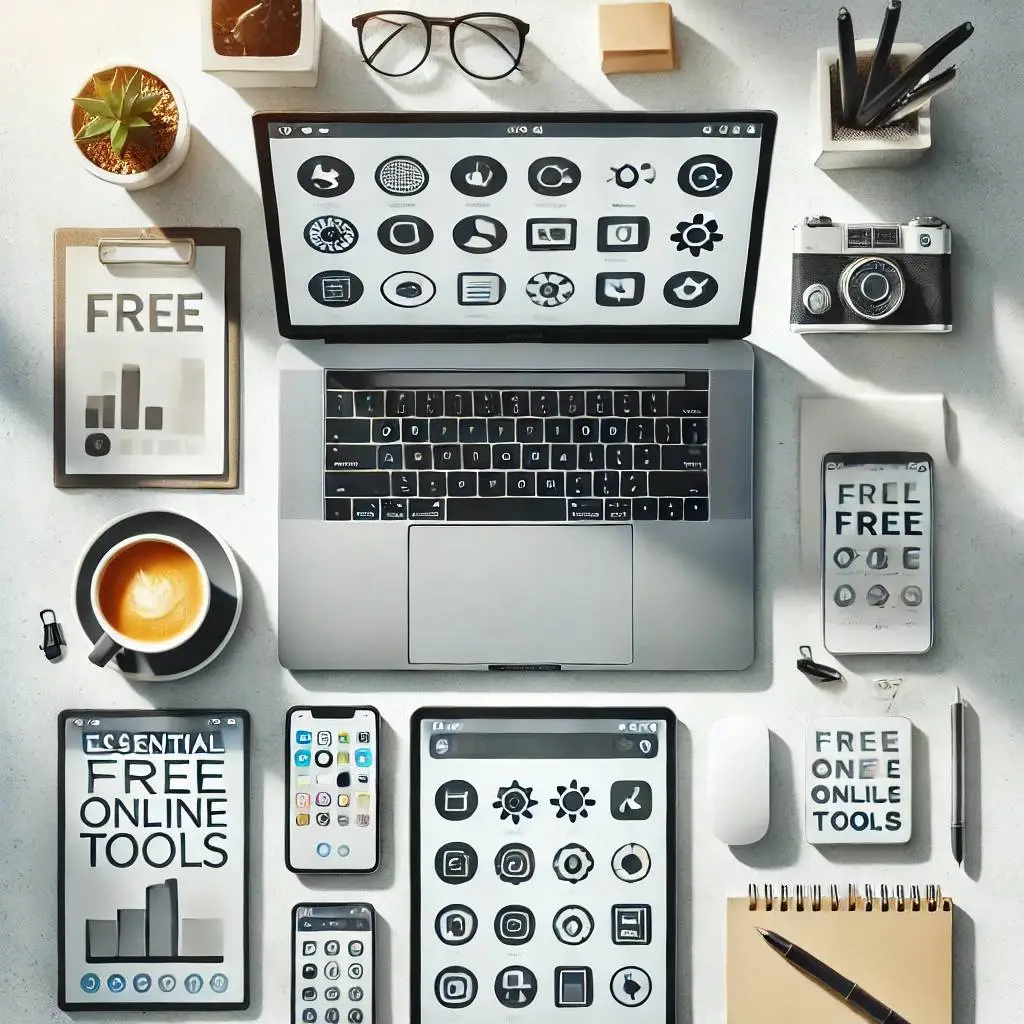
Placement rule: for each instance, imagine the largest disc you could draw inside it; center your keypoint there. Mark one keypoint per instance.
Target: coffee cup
(150, 593)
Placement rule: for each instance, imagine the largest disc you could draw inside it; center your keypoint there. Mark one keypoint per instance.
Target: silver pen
(957, 825)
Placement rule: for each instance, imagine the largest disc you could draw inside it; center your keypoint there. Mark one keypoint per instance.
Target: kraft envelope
(636, 37)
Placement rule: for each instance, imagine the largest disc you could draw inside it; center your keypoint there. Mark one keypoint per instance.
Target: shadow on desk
(964, 969)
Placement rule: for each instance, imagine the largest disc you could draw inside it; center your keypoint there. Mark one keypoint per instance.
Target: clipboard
(146, 357)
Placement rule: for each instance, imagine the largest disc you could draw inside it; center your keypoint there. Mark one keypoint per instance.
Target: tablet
(543, 859)
(153, 852)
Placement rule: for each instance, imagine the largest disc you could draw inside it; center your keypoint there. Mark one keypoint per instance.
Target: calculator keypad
(333, 983)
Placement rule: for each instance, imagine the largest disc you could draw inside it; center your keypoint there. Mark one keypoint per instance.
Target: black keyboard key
(564, 456)
(645, 508)
(521, 485)
(429, 403)
(667, 431)
(403, 485)
(606, 484)
(357, 485)
(633, 485)
(671, 509)
(536, 456)
(614, 510)
(369, 403)
(515, 403)
(338, 509)
(389, 457)
(400, 403)
(417, 456)
(591, 456)
(444, 431)
(647, 456)
(506, 456)
(351, 456)
(558, 431)
(678, 485)
(695, 431)
(364, 509)
(492, 485)
(626, 403)
(476, 456)
(447, 456)
(415, 431)
(530, 431)
(619, 456)
(501, 431)
(543, 403)
(579, 485)
(462, 485)
(586, 431)
(432, 485)
(551, 485)
(654, 403)
(386, 431)
(473, 431)
(687, 403)
(674, 456)
(696, 380)
(339, 403)
(486, 403)
(426, 508)
(348, 431)
(458, 403)
(696, 510)
(571, 403)
(599, 403)
(640, 431)
(393, 508)
(588, 508)
(695, 457)
(534, 510)
(613, 431)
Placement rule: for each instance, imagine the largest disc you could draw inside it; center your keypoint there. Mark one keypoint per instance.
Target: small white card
(857, 780)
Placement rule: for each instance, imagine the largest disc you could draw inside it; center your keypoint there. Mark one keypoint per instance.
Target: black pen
(916, 98)
(878, 69)
(915, 71)
(849, 78)
(957, 825)
(871, 1007)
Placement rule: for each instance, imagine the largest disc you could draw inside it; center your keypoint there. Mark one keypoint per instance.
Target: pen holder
(835, 146)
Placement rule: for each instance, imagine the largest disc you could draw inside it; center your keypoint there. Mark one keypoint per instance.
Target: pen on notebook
(874, 1009)
(916, 98)
(957, 825)
(849, 79)
(878, 69)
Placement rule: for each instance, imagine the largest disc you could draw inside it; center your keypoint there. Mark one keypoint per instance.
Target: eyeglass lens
(487, 45)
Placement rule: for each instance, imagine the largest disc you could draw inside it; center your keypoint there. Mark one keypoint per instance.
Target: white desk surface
(733, 54)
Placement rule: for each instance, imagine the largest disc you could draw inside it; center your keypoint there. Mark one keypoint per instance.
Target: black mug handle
(105, 649)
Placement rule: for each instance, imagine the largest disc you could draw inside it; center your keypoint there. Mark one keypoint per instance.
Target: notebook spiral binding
(814, 897)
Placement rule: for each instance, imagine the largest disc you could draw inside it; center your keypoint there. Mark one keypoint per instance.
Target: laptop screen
(537, 227)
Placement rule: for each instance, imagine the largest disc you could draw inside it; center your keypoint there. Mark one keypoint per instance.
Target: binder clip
(53, 636)
(813, 670)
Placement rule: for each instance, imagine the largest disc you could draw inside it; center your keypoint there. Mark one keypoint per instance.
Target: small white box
(297, 70)
(836, 147)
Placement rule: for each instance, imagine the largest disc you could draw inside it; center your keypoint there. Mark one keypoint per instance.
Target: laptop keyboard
(517, 454)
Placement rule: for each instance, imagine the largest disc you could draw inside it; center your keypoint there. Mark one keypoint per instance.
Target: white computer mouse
(738, 779)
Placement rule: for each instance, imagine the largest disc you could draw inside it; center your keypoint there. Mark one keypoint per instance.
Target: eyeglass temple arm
(400, 26)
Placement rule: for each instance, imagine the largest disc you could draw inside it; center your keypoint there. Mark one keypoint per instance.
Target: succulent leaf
(118, 137)
(95, 128)
(119, 107)
(91, 105)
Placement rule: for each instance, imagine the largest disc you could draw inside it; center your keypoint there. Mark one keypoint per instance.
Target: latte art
(153, 596)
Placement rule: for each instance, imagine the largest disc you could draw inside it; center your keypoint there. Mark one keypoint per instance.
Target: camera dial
(872, 287)
(817, 299)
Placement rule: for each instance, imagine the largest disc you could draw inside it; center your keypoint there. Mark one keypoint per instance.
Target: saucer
(225, 594)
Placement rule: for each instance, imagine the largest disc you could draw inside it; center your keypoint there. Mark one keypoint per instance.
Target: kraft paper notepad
(897, 945)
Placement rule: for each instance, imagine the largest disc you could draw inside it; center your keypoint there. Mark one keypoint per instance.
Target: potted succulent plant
(261, 43)
(130, 127)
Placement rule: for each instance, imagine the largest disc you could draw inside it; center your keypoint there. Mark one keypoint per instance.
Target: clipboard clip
(152, 252)
(814, 670)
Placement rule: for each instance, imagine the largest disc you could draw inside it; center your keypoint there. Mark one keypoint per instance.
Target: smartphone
(333, 959)
(333, 792)
(877, 552)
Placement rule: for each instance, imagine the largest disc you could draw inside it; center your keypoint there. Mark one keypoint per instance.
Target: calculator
(333, 963)
(543, 859)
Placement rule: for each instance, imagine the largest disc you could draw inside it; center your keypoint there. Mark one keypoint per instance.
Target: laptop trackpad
(521, 595)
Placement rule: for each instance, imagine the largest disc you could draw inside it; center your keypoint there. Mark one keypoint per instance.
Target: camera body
(871, 277)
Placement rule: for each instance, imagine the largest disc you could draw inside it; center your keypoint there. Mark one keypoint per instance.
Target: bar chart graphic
(156, 934)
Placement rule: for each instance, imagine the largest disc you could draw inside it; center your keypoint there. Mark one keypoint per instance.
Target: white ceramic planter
(298, 70)
(170, 163)
(837, 147)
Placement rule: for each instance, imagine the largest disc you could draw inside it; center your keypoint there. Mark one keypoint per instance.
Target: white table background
(733, 54)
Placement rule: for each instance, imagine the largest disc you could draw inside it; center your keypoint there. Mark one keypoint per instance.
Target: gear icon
(573, 863)
(697, 235)
(572, 801)
(550, 289)
(515, 802)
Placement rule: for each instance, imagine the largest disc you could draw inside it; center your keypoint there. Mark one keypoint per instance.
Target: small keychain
(815, 671)
(53, 636)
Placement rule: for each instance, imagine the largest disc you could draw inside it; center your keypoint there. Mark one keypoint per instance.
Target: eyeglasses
(484, 45)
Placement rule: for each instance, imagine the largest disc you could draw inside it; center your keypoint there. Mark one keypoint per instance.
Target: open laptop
(527, 442)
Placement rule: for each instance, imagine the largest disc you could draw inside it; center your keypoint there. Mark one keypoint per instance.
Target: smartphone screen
(333, 791)
(333, 960)
(877, 552)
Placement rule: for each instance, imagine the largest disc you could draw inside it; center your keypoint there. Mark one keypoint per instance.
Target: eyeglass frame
(429, 24)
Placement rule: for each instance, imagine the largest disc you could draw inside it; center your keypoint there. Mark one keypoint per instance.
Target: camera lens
(872, 288)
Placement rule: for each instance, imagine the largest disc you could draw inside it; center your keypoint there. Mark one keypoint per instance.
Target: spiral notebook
(895, 944)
